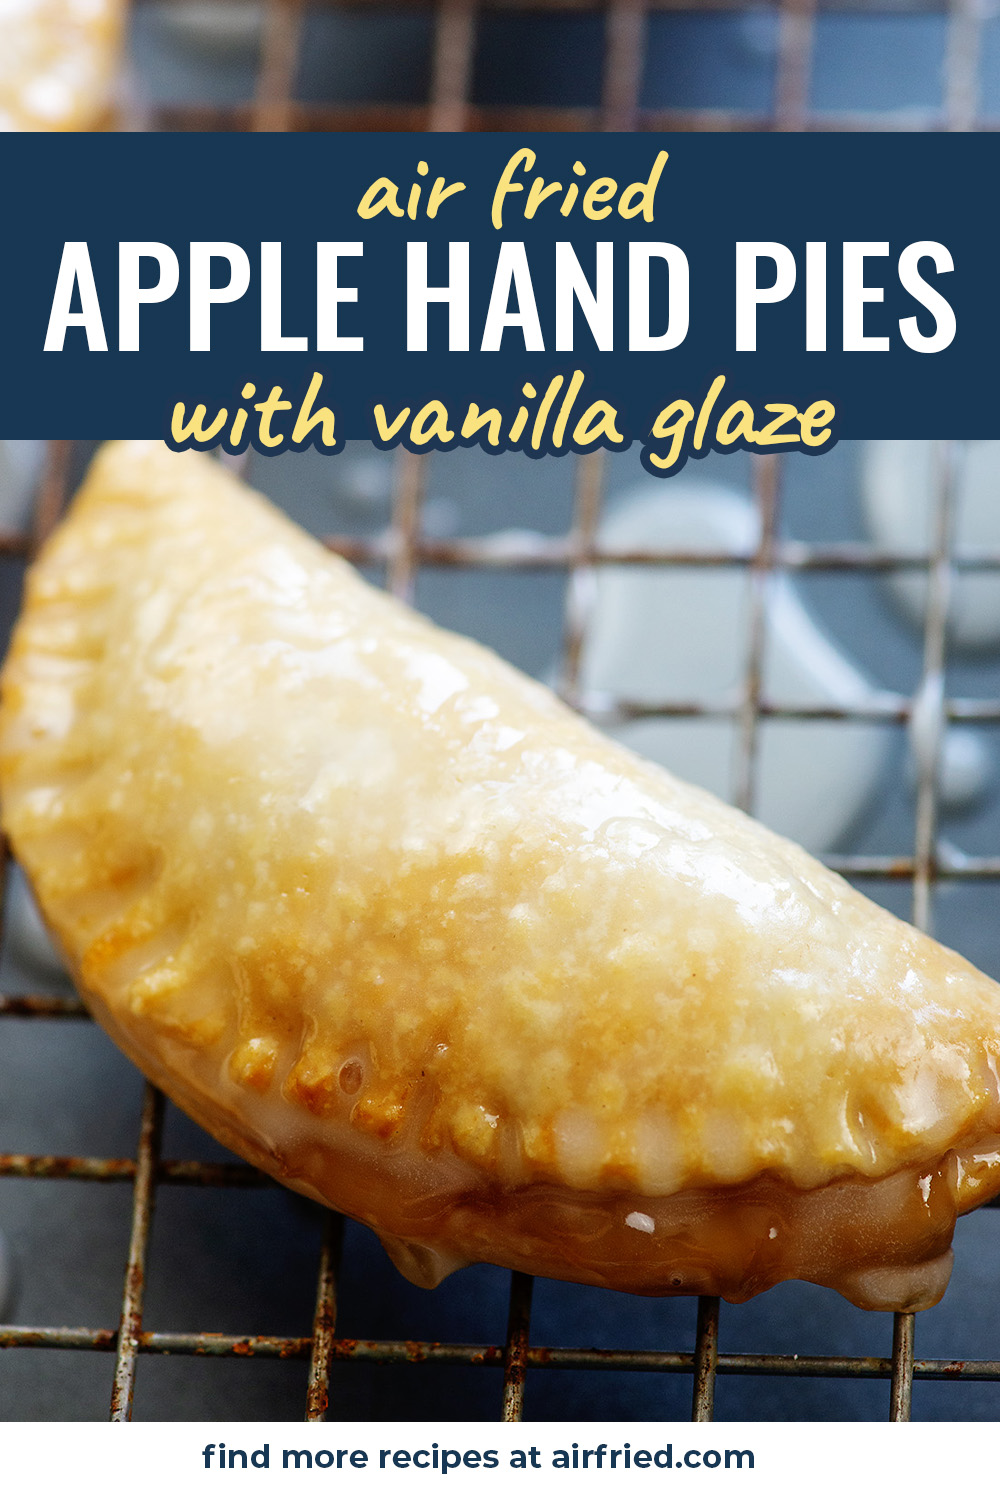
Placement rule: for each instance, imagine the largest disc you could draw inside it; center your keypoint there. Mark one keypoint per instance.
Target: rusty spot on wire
(515, 1363)
(143, 1199)
(123, 1169)
(91, 1169)
(43, 1007)
(324, 1320)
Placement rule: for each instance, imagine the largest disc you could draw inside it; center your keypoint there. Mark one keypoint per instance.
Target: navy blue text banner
(545, 293)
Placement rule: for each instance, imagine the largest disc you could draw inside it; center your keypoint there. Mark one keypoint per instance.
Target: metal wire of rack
(404, 549)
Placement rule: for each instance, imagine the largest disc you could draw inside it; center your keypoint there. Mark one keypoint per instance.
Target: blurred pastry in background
(59, 63)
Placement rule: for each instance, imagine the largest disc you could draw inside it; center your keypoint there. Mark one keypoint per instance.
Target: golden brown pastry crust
(58, 60)
(390, 920)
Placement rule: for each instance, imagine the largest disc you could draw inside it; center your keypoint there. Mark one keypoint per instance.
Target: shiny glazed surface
(385, 916)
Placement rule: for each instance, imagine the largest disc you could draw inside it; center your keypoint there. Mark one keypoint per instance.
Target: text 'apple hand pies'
(389, 920)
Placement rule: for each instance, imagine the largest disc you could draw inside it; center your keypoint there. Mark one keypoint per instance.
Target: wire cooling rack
(451, 104)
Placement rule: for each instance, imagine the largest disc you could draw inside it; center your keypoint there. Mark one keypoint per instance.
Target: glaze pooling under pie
(388, 919)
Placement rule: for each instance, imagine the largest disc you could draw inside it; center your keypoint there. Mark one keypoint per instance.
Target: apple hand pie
(393, 923)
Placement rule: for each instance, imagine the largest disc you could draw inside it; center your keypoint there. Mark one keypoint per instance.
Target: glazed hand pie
(389, 920)
(58, 60)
